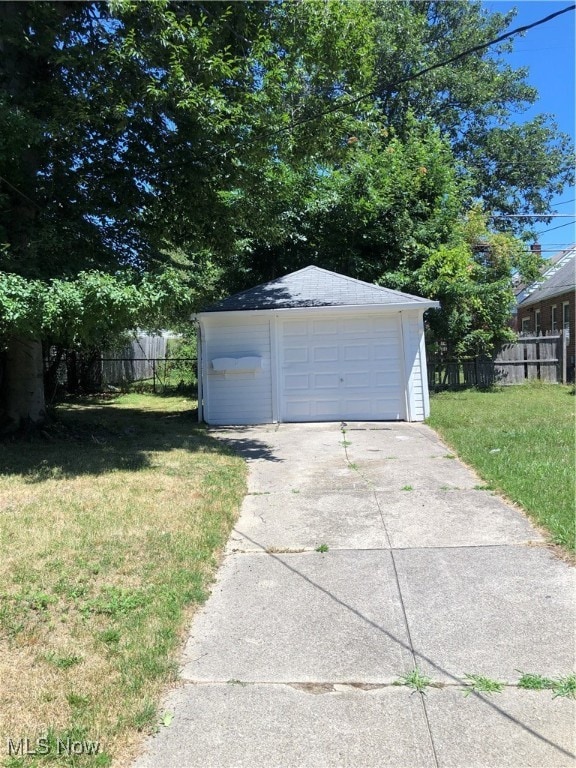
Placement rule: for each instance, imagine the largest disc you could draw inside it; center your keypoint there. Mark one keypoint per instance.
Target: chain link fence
(68, 372)
(160, 375)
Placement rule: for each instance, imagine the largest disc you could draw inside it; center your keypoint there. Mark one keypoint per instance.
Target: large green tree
(514, 167)
(128, 130)
(387, 200)
(424, 152)
(471, 277)
(230, 140)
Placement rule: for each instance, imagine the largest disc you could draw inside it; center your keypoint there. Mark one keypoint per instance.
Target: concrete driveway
(292, 661)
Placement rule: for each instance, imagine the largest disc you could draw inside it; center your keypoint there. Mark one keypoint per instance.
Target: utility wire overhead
(532, 216)
(568, 224)
(374, 93)
(431, 68)
(342, 106)
(19, 192)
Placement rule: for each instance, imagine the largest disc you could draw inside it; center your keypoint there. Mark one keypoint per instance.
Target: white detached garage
(313, 346)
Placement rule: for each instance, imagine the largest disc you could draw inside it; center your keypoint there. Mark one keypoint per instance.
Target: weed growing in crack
(534, 682)
(481, 684)
(416, 680)
(166, 719)
(565, 686)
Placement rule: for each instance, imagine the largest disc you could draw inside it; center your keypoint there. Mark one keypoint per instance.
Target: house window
(537, 321)
(525, 325)
(566, 316)
(554, 318)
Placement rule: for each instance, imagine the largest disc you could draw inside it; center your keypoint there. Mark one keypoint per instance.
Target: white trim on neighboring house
(525, 325)
(531, 289)
(566, 315)
(537, 322)
(554, 317)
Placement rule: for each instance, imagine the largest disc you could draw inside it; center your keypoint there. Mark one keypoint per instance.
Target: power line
(374, 93)
(568, 224)
(426, 70)
(533, 216)
(341, 106)
(19, 192)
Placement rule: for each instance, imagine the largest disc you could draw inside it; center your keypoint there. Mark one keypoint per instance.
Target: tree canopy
(185, 149)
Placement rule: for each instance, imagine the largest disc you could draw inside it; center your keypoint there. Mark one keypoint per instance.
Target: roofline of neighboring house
(536, 299)
(526, 297)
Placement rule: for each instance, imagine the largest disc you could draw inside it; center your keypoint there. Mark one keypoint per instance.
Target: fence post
(562, 354)
(154, 376)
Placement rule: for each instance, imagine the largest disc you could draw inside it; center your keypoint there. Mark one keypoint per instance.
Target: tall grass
(520, 439)
(110, 530)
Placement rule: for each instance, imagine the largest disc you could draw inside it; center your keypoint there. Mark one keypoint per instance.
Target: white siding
(327, 365)
(415, 361)
(237, 397)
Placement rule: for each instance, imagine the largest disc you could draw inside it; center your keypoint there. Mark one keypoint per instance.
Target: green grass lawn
(520, 440)
(110, 530)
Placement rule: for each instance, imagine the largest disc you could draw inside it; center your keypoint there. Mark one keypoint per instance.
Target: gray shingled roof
(561, 281)
(315, 287)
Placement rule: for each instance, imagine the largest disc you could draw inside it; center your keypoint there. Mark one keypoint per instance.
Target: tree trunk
(23, 406)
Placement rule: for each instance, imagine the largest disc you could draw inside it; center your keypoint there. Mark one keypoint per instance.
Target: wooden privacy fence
(530, 357)
(452, 374)
(533, 357)
(146, 360)
(163, 373)
(134, 362)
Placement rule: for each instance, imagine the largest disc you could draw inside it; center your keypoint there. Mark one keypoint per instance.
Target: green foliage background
(158, 155)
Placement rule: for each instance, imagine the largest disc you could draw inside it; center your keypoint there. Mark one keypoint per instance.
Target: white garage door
(337, 368)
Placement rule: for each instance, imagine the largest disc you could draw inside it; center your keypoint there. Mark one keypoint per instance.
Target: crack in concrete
(372, 488)
(345, 685)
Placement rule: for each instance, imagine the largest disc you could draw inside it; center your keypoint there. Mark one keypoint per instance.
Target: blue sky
(548, 51)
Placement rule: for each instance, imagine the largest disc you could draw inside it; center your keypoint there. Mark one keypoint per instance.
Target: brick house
(549, 304)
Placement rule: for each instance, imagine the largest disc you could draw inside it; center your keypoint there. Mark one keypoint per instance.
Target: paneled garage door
(337, 368)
